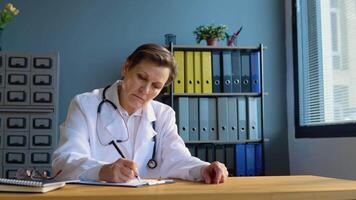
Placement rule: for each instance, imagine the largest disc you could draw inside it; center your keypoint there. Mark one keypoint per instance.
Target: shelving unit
(225, 145)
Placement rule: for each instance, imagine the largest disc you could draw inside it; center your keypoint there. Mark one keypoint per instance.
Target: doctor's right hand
(121, 170)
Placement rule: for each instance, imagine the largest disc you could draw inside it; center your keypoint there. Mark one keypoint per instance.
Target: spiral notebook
(15, 185)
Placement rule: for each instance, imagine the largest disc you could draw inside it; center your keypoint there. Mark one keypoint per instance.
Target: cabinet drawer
(17, 79)
(2, 119)
(16, 140)
(9, 172)
(42, 97)
(14, 157)
(2, 61)
(41, 123)
(40, 80)
(1, 143)
(16, 122)
(40, 157)
(41, 141)
(2, 96)
(43, 63)
(17, 96)
(2, 79)
(18, 62)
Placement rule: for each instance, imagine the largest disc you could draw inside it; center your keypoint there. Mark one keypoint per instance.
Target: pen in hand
(122, 156)
(138, 178)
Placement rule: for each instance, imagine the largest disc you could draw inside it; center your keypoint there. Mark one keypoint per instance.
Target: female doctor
(119, 133)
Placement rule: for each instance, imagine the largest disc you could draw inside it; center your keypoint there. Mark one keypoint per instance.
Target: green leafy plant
(7, 13)
(210, 31)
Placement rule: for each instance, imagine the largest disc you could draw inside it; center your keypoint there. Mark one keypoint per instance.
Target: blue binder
(193, 119)
(212, 119)
(204, 119)
(240, 158)
(223, 134)
(255, 72)
(245, 72)
(183, 117)
(227, 71)
(232, 119)
(259, 161)
(236, 71)
(216, 72)
(253, 113)
(241, 102)
(250, 160)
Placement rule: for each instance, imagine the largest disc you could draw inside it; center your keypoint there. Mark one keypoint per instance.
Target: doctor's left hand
(121, 170)
(216, 173)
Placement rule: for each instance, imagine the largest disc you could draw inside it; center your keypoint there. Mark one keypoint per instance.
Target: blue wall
(93, 38)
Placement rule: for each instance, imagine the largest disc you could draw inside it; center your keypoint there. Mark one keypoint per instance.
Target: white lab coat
(80, 154)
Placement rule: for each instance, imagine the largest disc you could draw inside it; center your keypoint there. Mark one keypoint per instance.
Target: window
(325, 67)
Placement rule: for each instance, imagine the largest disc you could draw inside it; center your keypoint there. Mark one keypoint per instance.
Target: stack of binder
(240, 159)
(194, 72)
(226, 119)
(227, 71)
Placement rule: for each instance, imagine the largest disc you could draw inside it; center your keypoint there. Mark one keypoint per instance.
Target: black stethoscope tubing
(152, 163)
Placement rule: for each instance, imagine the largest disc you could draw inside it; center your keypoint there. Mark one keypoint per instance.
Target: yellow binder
(179, 81)
(189, 72)
(206, 72)
(197, 72)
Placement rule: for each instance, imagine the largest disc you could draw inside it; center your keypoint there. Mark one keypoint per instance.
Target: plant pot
(212, 41)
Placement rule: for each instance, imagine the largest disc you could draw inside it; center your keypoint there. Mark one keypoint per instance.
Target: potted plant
(211, 33)
(6, 15)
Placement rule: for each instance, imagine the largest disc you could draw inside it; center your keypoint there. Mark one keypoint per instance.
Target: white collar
(146, 111)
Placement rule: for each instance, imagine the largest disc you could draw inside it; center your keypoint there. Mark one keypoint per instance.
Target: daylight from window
(327, 64)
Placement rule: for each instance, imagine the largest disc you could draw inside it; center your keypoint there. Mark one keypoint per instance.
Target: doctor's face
(141, 84)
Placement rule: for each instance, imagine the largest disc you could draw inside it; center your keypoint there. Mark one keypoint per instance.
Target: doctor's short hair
(154, 53)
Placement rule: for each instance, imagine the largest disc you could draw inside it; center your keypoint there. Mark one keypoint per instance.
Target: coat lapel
(145, 132)
(115, 128)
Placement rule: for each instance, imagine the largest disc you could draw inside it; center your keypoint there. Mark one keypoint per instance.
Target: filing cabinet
(28, 111)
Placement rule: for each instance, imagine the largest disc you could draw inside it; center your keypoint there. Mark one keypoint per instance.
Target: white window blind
(326, 61)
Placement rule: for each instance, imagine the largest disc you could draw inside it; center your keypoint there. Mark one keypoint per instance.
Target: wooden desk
(237, 188)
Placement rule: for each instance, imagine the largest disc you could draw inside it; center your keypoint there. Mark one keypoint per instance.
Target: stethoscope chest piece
(151, 164)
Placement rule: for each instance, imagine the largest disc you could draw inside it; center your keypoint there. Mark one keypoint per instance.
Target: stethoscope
(152, 163)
